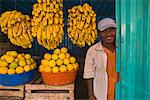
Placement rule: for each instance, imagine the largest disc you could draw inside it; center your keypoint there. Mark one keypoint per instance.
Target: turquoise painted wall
(133, 51)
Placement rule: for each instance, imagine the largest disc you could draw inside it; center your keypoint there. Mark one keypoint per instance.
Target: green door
(133, 49)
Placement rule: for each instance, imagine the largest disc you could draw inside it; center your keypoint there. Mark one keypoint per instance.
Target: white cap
(106, 23)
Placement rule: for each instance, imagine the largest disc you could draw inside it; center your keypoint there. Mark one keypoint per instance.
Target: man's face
(108, 35)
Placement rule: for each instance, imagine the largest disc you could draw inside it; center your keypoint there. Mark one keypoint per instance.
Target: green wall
(133, 51)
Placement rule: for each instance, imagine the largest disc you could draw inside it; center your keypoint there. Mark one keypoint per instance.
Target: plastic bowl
(58, 79)
(17, 79)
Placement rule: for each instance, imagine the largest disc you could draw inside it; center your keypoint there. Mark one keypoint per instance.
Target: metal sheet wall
(133, 52)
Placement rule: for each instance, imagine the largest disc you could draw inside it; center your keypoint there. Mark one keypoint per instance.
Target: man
(100, 63)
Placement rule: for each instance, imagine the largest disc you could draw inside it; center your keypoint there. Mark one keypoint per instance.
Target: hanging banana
(82, 25)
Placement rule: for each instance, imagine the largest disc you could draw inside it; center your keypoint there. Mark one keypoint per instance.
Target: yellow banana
(17, 29)
(5, 14)
(44, 34)
(56, 21)
(50, 21)
(54, 34)
(39, 1)
(30, 36)
(47, 32)
(61, 12)
(69, 29)
(9, 24)
(27, 17)
(39, 35)
(40, 7)
(94, 26)
(14, 32)
(44, 6)
(45, 22)
(17, 15)
(48, 2)
(79, 43)
(61, 20)
(81, 25)
(35, 6)
(19, 42)
(48, 9)
(51, 15)
(24, 41)
(32, 23)
(13, 41)
(57, 6)
(44, 38)
(57, 28)
(33, 32)
(93, 19)
(54, 2)
(92, 40)
(80, 8)
(57, 15)
(4, 23)
(39, 19)
(13, 14)
(61, 30)
(10, 32)
(86, 25)
(83, 43)
(47, 16)
(51, 6)
(26, 37)
(93, 34)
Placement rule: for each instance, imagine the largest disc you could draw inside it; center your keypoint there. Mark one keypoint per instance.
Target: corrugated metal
(103, 8)
(133, 53)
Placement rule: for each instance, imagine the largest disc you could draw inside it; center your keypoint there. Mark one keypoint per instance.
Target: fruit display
(17, 27)
(14, 63)
(82, 25)
(59, 61)
(47, 23)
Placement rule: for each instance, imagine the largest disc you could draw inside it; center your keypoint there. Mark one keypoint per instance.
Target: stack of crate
(37, 90)
(11, 92)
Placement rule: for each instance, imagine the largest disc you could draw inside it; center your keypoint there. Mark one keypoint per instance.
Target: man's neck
(111, 47)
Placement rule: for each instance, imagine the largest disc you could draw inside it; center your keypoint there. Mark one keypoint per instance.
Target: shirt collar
(109, 51)
(99, 46)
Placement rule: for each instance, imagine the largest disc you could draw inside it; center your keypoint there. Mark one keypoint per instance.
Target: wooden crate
(37, 90)
(10, 92)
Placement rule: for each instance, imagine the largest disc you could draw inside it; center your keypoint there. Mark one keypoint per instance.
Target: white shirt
(95, 67)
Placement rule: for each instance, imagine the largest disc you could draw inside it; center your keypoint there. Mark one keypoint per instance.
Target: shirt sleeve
(89, 65)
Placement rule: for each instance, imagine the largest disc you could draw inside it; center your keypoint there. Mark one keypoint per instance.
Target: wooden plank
(48, 96)
(20, 87)
(29, 87)
(11, 98)
(11, 93)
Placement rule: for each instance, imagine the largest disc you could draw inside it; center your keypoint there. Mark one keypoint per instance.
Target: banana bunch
(82, 25)
(17, 27)
(47, 23)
